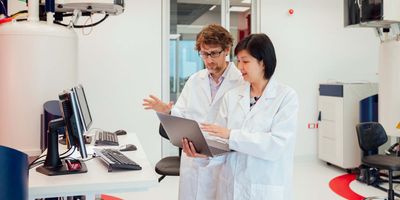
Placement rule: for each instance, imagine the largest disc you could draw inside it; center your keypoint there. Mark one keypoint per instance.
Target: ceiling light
(212, 7)
(239, 9)
(246, 1)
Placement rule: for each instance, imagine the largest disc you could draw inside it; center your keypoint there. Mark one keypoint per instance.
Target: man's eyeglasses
(212, 54)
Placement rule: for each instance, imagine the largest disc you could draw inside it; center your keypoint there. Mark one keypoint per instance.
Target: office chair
(13, 174)
(168, 166)
(371, 135)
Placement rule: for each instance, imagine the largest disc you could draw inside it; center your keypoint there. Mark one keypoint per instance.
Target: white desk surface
(97, 180)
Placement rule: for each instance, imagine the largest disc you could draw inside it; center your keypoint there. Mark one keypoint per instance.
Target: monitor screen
(83, 107)
(73, 122)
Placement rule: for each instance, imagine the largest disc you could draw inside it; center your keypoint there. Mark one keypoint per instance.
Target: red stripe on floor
(341, 186)
(107, 197)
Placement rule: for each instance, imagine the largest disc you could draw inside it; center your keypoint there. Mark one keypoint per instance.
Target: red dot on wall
(291, 11)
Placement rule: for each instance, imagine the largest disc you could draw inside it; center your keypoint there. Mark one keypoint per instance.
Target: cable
(87, 159)
(37, 161)
(83, 26)
(36, 164)
(17, 15)
(5, 20)
(67, 150)
(91, 28)
(19, 12)
(66, 156)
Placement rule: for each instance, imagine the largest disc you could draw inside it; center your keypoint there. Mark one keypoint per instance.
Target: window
(187, 18)
(182, 20)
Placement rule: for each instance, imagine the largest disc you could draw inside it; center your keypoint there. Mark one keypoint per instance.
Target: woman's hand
(156, 104)
(216, 130)
(189, 149)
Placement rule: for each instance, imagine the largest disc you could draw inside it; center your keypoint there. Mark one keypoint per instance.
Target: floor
(311, 182)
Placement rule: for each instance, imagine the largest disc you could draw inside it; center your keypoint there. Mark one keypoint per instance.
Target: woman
(260, 117)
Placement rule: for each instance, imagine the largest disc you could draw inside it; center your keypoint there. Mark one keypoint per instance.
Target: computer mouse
(128, 147)
(120, 132)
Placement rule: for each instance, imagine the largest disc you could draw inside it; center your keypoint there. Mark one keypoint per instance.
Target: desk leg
(92, 197)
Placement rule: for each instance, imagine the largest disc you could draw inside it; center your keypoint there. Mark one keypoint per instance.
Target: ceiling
(187, 11)
(214, 2)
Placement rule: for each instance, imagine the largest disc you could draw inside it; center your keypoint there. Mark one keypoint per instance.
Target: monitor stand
(62, 170)
(53, 165)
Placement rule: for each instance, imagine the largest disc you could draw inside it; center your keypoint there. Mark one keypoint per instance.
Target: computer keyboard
(103, 138)
(116, 160)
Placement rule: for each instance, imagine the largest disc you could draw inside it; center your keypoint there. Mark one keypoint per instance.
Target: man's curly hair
(214, 34)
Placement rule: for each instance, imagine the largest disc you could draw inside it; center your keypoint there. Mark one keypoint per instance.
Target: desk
(97, 180)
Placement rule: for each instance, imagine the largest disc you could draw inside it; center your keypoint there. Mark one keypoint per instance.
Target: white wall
(119, 65)
(312, 47)
(389, 79)
(120, 62)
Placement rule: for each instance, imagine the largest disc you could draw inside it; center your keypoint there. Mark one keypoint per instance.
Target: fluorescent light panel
(239, 9)
(213, 7)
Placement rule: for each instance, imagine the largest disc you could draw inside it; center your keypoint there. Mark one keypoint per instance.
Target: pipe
(33, 10)
(5, 20)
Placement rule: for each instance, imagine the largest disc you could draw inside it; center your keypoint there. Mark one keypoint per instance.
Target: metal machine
(38, 59)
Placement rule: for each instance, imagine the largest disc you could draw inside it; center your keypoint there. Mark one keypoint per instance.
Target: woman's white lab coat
(263, 139)
(198, 177)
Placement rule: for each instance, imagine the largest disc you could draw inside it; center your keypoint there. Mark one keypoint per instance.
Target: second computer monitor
(83, 107)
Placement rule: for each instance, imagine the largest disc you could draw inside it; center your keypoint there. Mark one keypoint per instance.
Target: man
(200, 101)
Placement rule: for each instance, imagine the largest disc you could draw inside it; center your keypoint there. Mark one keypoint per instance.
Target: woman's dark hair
(260, 47)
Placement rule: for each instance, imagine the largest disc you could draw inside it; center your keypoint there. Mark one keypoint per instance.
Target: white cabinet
(338, 105)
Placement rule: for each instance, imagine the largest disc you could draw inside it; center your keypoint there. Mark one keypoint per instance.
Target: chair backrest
(13, 174)
(371, 135)
(162, 132)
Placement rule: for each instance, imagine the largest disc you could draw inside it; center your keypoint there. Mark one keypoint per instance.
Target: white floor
(311, 182)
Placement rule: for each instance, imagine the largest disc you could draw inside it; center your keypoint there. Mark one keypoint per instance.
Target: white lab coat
(198, 177)
(263, 139)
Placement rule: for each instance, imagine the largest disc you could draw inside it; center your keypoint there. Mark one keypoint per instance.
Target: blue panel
(331, 90)
(50, 5)
(13, 174)
(369, 109)
(51, 110)
(3, 7)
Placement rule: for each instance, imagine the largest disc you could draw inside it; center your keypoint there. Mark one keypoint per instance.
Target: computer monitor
(83, 107)
(75, 127)
(70, 120)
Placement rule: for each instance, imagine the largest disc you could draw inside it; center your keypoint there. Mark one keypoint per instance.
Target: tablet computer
(178, 128)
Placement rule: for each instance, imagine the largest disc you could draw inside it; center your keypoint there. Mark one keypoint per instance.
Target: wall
(313, 47)
(119, 65)
(120, 62)
(389, 79)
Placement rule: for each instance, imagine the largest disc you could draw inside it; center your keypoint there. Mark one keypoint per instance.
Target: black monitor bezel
(82, 101)
(70, 115)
